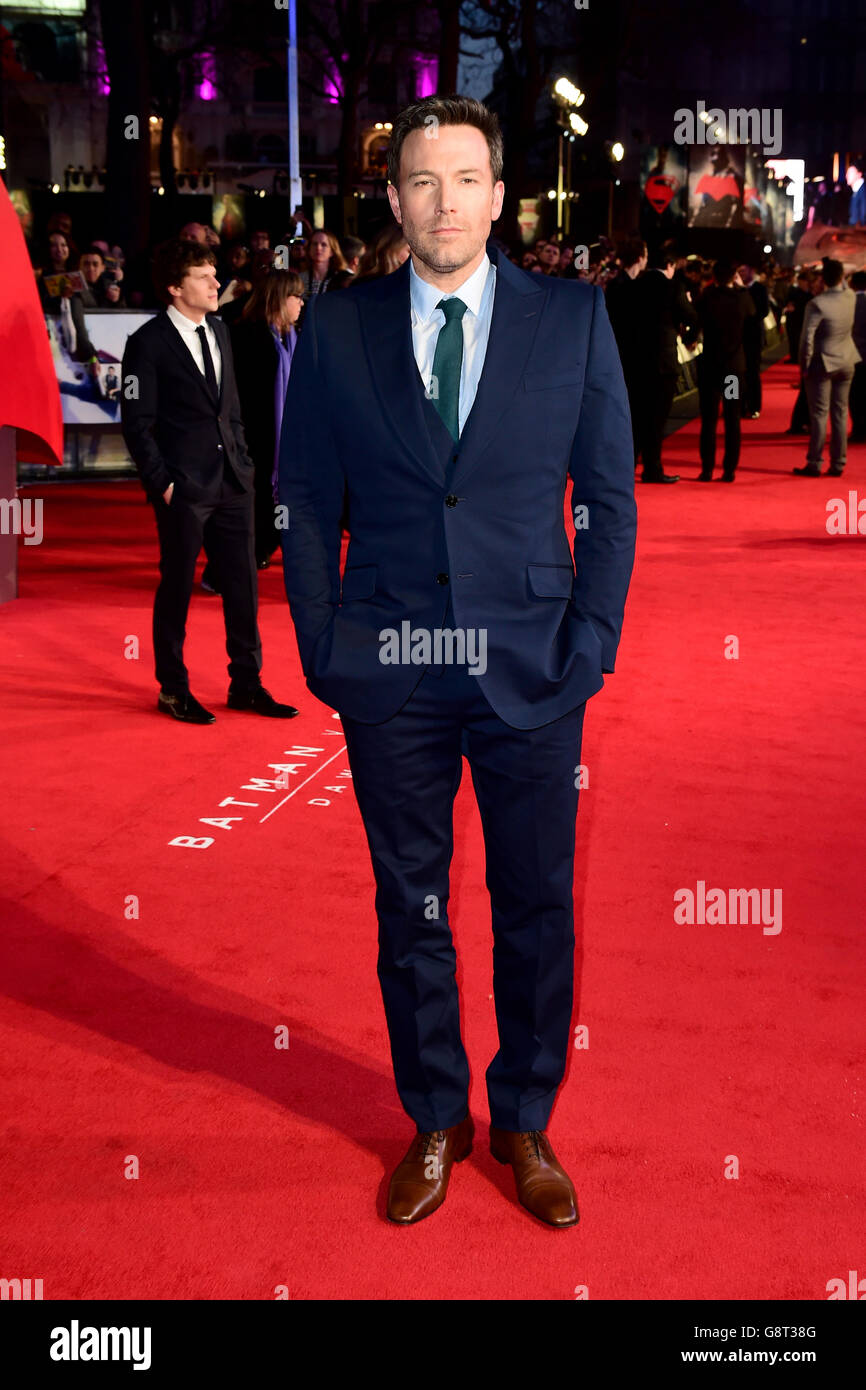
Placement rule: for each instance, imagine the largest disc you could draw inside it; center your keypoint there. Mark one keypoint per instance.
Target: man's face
(91, 267)
(550, 254)
(853, 175)
(566, 256)
(260, 241)
(198, 291)
(194, 231)
(447, 199)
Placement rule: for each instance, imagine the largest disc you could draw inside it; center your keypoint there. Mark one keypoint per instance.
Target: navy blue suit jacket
(551, 403)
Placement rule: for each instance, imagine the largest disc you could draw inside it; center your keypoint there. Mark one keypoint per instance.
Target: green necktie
(448, 359)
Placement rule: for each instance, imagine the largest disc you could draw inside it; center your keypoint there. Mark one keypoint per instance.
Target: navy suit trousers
(406, 772)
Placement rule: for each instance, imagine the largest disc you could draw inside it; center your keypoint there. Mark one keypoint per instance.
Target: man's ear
(394, 200)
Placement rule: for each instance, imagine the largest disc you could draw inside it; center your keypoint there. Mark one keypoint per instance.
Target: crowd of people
(717, 311)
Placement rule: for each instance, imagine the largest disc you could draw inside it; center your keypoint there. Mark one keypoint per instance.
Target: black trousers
(857, 401)
(712, 388)
(225, 529)
(406, 772)
(267, 535)
(752, 395)
(800, 413)
(650, 397)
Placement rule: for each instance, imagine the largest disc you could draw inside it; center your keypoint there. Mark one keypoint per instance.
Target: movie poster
(663, 184)
(717, 186)
(90, 395)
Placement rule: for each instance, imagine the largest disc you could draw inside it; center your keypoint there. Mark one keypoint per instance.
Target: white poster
(91, 396)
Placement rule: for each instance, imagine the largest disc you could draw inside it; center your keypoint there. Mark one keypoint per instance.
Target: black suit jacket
(256, 373)
(175, 430)
(662, 311)
(724, 312)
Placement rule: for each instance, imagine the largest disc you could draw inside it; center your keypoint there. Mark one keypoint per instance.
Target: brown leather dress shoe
(543, 1186)
(420, 1182)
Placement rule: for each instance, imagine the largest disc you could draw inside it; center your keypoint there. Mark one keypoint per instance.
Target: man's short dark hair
(723, 272)
(352, 246)
(662, 258)
(832, 272)
(631, 251)
(94, 251)
(858, 280)
(173, 259)
(433, 112)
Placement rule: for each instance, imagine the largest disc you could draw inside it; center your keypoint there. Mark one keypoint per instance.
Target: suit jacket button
(451, 500)
(442, 579)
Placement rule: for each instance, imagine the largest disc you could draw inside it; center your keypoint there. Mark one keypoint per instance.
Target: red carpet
(149, 1031)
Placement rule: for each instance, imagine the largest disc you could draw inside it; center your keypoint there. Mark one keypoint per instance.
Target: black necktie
(209, 373)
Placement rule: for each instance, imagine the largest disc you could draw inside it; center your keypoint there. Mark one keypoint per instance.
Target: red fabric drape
(29, 393)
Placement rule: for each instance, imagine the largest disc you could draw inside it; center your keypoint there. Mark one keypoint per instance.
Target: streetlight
(616, 152)
(568, 98)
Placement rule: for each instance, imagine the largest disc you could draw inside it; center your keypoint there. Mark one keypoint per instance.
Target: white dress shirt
(477, 294)
(187, 330)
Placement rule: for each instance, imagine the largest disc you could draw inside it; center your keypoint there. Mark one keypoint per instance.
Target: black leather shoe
(726, 478)
(186, 708)
(835, 472)
(661, 478)
(260, 701)
(807, 471)
(705, 476)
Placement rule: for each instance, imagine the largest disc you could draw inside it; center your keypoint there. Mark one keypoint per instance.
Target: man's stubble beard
(440, 266)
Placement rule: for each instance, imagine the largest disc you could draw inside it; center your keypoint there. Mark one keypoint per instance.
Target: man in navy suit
(451, 400)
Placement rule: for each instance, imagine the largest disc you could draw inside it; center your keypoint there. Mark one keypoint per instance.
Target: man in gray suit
(827, 358)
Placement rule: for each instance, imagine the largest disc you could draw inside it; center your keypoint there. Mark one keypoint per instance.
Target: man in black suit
(182, 425)
(620, 300)
(754, 338)
(857, 399)
(855, 181)
(662, 311)
(724, 309)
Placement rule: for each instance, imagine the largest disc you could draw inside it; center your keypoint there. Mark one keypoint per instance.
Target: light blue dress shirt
(477, 294)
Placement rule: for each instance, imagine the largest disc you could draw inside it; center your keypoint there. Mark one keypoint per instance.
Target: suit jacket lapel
(517, 305)
(184, 356)
(222, 337)
(386, 326)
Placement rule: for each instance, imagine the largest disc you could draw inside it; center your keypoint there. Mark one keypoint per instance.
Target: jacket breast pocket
(556, 376)
(359, 582)
(550, 581)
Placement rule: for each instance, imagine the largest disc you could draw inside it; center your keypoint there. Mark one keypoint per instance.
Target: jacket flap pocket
(551, 581)
(556, 376)
(359, 582)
